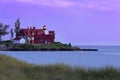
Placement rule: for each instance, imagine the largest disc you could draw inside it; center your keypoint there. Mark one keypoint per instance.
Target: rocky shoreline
(43, 49)
(54, 47)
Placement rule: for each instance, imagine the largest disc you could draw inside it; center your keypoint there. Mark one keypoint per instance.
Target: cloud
(95, 5)
(52, 3)
(85, 4)
(101, 4)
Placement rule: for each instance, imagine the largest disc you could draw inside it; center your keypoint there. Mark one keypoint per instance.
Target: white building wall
(22, 41)
(46, 32)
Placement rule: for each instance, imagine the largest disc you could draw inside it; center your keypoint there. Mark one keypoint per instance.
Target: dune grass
(12, 69)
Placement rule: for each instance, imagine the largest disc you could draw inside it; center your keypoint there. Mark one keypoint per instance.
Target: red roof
(30, 32)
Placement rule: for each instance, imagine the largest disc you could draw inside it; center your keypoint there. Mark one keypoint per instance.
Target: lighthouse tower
(45, 29)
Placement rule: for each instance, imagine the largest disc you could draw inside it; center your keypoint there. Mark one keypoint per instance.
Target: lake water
(107, 55)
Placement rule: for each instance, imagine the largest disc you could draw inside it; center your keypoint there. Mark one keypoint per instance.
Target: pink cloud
(54, 3)
(101, 4)
(64, 3)
(95, 6)
(86, 4)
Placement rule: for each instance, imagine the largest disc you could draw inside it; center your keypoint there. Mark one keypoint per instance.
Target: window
(38, 33)
(46, 42)
(41, 40)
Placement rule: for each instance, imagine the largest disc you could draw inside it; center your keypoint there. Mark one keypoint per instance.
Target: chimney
(28, 30)
(34, 27)
(27, 27)
(30, 27)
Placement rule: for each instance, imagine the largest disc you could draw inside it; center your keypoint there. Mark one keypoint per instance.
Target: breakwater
(53, 49)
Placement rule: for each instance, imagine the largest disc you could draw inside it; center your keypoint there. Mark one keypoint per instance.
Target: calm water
(107, 55)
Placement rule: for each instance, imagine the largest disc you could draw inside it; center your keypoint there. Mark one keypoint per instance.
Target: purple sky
(80, 22)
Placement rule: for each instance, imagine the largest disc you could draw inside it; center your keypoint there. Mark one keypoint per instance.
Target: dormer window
(38, 33)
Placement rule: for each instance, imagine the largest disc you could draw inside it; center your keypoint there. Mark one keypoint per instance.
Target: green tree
(3, 30)
(17, 26)
(70, 45)
(12, 34)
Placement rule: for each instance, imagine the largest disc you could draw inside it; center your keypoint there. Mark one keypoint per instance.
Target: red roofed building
(35, 36)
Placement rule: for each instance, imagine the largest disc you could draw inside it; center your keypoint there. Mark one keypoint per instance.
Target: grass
(56, 45)
(12, 69)
(8, 42)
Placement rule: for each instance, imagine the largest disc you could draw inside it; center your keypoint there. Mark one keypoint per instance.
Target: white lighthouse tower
(45, 29)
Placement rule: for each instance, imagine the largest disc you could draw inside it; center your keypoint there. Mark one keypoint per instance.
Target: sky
(81, 22)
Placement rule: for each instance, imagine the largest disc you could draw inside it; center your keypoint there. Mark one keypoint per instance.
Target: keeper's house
(31, 35)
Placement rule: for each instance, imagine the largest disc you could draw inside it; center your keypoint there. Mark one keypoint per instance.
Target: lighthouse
(33, 36)
(45, 29)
